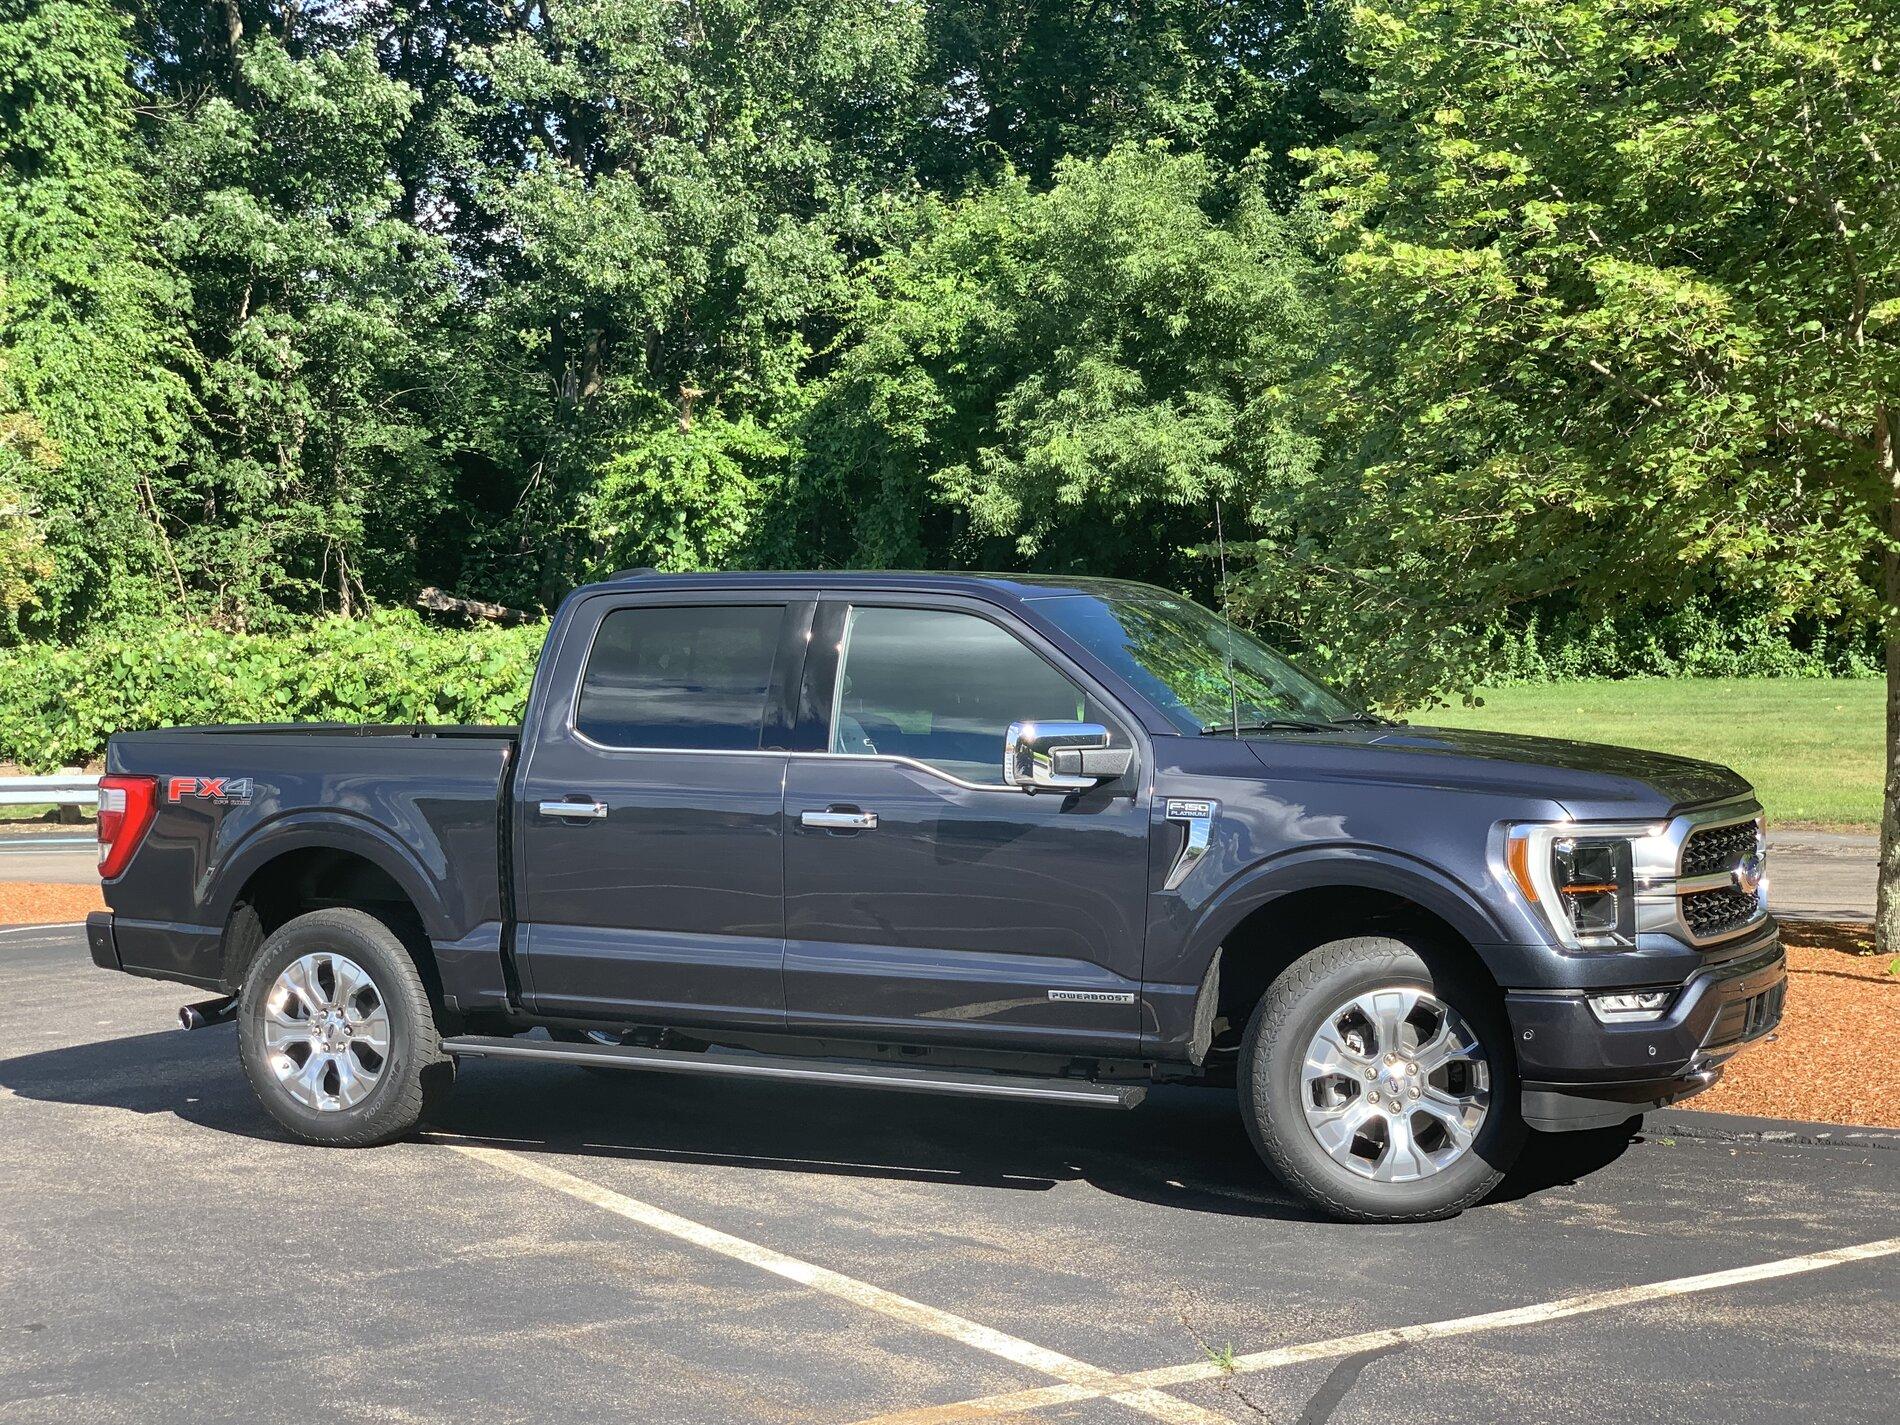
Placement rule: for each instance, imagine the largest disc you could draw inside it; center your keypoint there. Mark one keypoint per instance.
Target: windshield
(1181, 657)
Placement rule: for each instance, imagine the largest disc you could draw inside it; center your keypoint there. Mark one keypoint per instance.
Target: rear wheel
(336, 1032)
(1378, 1083)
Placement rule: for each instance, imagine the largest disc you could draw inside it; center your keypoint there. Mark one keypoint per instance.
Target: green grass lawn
(1811, 746)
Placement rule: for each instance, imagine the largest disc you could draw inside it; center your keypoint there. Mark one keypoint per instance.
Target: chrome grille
(1718, 848)
(1717, 912)
(1720, 870)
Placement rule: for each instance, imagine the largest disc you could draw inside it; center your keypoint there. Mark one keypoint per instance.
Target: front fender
(1178, 974)
(1370, 867)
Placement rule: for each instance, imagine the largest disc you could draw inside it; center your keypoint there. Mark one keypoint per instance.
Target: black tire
(413, 1073)
(1282, 1028)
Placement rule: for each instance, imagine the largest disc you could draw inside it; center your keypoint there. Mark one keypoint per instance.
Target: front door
(650, 867)
(926, 899)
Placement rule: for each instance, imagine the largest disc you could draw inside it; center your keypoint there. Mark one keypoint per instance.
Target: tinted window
(691, 678)
(1199, 669)
(942, 688)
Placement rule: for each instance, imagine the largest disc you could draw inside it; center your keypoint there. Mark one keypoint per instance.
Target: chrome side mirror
(1061, 756)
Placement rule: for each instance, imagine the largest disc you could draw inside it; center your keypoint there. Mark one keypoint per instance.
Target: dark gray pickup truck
(1040, 839)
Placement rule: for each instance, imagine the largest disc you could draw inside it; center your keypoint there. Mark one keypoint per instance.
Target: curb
(1741, 1128)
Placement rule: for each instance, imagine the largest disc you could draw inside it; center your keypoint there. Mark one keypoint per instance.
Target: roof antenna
(1233, 692)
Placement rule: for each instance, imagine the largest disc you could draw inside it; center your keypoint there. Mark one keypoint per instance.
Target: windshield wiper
(1361, 720)
(1276, 724)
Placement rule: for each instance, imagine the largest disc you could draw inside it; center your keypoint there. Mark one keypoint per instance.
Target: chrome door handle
(839, 820)
(591, 810)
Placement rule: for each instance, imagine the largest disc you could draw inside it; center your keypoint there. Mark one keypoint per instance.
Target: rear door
(649, 832)
(961, 909)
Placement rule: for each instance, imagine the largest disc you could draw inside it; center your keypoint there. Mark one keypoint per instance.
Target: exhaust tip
(207, 1013)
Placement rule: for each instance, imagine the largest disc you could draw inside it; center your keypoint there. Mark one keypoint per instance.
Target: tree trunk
(435, 601)
(234, 43)
(1887, 909)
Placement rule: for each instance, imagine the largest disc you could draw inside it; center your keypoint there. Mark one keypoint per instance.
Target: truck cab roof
(1006, 588)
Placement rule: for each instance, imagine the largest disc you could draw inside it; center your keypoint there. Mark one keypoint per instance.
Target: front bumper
(1579, 1072)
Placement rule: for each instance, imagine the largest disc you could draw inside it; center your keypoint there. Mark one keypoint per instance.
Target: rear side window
(695, 679)
(942, 688)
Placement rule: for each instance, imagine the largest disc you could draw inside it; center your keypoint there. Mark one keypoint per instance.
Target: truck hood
(1591, 781)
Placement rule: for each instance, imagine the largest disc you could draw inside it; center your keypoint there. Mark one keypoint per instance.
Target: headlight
(1582, 878)
(1594, 885)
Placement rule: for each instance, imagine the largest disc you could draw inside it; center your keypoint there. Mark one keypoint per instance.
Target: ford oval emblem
(1750, 875)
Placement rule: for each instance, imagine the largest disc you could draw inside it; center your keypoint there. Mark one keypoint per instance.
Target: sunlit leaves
(1608, 277)
(1054, 375)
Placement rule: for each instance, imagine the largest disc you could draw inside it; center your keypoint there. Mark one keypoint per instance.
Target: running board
(905, 1078)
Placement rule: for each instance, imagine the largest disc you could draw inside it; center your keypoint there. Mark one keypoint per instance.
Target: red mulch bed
(1839, 1037)
(31, 903)
(1836, 1057)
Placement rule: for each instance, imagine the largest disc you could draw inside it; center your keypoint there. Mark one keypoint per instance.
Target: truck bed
(317, 804)
(415, 731)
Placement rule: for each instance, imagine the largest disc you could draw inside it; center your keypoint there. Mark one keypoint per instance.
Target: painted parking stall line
(1073, 1392)
(1094, 1382)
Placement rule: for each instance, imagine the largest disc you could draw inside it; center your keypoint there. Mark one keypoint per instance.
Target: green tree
(688, 497)
(1619, 316)
(315, 302)
(1024, 86)
(1065, 379)
(92, 406)
(315, 310)
(658, 209)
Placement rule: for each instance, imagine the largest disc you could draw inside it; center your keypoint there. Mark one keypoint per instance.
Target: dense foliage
(307, 305)
(59, 704)
(95, 398)
(1066, 379)
(1618, 297)
(1693, 639)
(1499, 337)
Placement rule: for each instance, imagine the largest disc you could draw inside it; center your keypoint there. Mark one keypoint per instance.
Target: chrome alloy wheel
(326, 1032)
(1395, 1085)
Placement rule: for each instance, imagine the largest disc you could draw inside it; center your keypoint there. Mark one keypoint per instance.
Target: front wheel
(1379, 1085)
(336, 1032)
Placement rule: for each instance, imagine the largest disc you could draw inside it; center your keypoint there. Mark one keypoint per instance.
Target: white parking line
(1093, 1382)
(63, 925)
(1019, 1402)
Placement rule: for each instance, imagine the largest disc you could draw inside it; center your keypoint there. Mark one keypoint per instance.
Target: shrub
(1691, 640)
(59, 704)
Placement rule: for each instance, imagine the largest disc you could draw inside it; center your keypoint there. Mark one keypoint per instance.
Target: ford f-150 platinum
(1034, 838)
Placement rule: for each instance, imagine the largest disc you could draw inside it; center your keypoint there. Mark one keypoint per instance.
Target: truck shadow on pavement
(1184, 1148)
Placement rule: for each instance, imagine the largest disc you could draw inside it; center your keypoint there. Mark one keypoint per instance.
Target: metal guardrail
(61, 789)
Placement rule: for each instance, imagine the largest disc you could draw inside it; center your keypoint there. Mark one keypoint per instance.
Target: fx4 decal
(209, 789)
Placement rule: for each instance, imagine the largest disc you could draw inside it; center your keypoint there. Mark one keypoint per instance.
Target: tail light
(126, 807)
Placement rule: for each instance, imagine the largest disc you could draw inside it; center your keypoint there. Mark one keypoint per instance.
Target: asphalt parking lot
(569, 1246)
